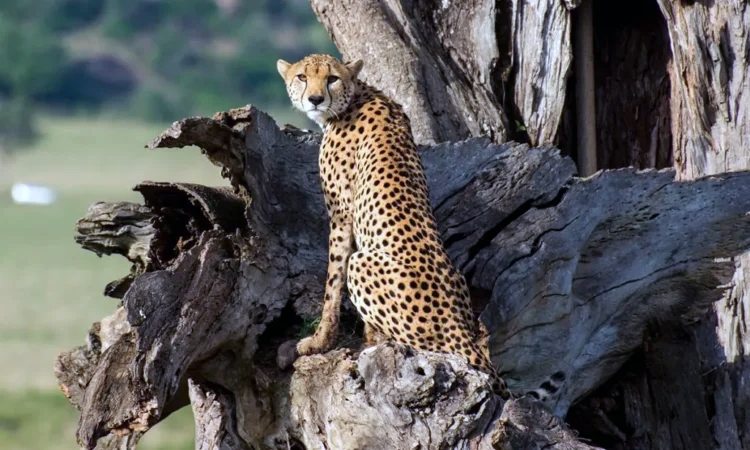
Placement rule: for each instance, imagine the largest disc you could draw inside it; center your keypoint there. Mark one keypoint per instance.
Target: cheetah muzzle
(383, 241)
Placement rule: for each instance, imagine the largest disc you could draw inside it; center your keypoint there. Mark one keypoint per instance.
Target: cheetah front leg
(340, 247)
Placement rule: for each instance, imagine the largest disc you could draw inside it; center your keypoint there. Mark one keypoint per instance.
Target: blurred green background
(84, 85)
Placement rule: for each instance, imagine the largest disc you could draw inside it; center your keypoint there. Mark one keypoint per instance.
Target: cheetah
(383, 240)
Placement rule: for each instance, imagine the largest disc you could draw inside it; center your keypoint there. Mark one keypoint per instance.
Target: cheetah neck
(363, 93)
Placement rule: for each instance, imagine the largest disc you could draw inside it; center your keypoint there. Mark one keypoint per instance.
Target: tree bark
(542, 55)
(459, 68)
(690, 383)
(438, 59)
(710, 94)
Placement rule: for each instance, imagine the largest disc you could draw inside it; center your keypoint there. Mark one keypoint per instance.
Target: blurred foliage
(31, 58)
(17, 125)
(155, 59)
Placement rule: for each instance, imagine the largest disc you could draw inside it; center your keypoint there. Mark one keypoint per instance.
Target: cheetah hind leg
(483, 348)
(485, 365)
(378, 306)
(372, 336)
(483, 339)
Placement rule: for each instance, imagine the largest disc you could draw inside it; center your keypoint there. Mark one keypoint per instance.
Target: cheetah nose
(316, 99)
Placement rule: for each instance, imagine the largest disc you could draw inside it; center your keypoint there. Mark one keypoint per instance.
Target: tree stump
(569, 274)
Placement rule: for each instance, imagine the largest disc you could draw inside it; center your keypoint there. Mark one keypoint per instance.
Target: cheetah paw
(312, 345)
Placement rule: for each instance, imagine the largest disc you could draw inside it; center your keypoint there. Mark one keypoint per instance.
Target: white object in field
(24, 193)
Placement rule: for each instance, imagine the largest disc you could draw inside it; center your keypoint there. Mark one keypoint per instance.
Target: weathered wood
(214, 411)
(710, 86)
(542, 55)
(390, 397)
(126, 228)
(653, 402)
(456, 65)
(578, 279)
(565, 285)
(420, 54)
(573, 271)
(514, 57)
(688, 388)
(711, 119)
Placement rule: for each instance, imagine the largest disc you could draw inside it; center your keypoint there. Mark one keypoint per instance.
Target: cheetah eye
(332, 79)
(302, 77)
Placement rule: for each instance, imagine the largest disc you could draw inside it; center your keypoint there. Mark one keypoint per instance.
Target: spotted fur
(383, 236)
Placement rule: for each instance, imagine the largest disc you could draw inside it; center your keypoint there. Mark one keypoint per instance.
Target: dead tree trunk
(573, 272)
(710, 89)
(578, 280)
(716, 140)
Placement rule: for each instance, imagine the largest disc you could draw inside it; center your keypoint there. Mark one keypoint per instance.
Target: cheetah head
(321, 86)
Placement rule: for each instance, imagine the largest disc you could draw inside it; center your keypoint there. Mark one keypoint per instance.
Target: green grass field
(50, 289)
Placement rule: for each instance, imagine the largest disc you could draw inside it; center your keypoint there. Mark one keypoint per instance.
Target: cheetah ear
(354, 67)
(283, 67)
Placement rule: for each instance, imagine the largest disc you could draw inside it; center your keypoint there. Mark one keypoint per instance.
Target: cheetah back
(400, 279)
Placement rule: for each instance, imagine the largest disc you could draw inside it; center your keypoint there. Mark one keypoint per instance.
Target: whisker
(333, 114)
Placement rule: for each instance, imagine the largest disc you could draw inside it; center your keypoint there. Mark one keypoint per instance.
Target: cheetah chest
(337, 168)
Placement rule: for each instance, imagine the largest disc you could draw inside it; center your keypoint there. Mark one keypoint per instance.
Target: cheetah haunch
(383, 236)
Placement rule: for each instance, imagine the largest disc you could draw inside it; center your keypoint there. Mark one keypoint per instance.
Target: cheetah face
(321, 86)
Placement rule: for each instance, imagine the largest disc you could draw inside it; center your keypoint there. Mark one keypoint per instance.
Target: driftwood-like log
(569, 272)
(124, 229)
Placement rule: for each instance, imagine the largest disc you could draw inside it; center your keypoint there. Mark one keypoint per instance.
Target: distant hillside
(158, 59)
